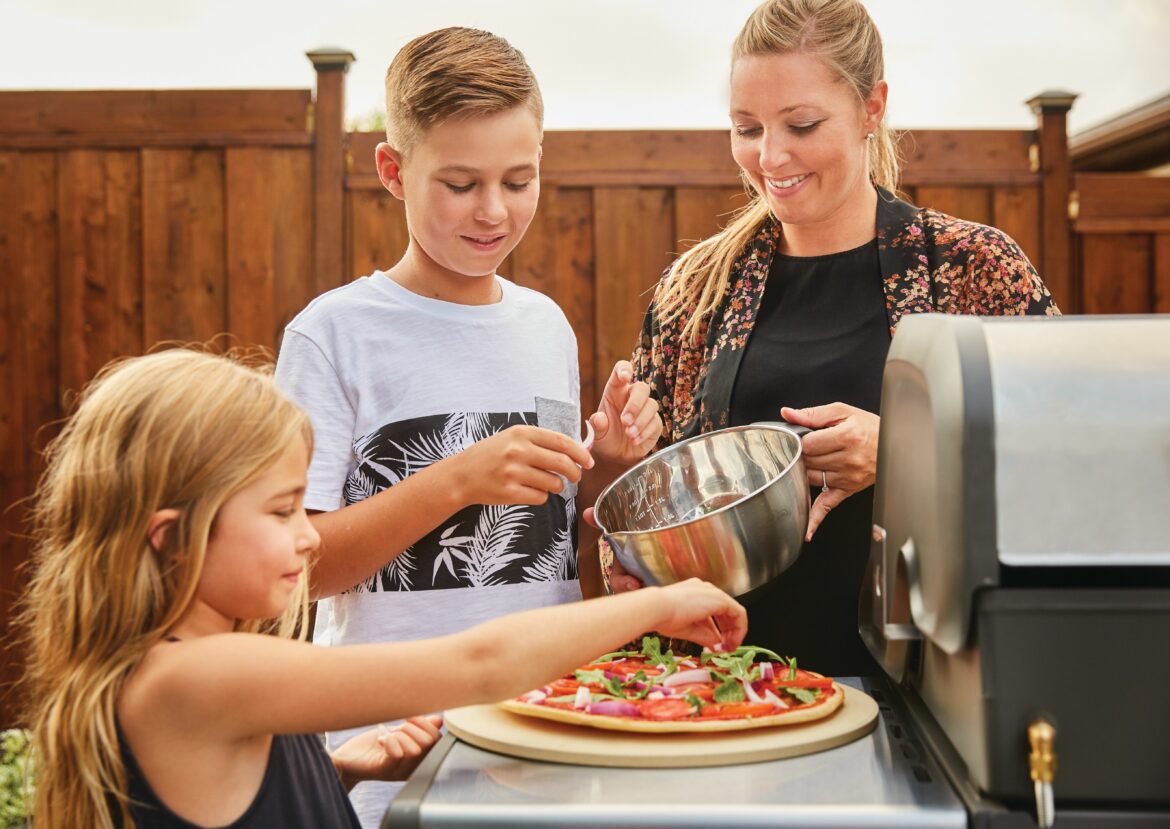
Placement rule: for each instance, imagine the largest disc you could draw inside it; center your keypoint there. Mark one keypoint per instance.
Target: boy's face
(470, 186)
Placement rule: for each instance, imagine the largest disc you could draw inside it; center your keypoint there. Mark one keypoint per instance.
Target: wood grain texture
(1161, 300)
(700, 212)
(1117, 274)
(99, 238)
(634, 238)
(269, 256)
(183, 246)
(146, 111)
(29, 373)
(376, 233)
(1016, 211)
(970, 203)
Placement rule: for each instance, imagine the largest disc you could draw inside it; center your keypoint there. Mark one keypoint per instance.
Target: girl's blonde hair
(452, 73)
(842, 34)
(175, 429)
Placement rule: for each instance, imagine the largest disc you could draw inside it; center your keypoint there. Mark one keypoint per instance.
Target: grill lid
(1037, 442)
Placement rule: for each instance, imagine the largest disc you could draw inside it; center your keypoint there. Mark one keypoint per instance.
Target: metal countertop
(885, 779)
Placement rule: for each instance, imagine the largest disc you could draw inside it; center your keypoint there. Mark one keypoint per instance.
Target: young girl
(171, 538)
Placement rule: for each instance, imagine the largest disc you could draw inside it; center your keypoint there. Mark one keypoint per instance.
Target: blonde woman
(789, 311)
(170, 526)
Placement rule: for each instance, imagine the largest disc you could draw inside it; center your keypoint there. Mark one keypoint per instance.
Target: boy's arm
(520, 465)
(626, 424)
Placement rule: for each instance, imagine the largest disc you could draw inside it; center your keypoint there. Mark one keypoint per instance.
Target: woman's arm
(239, 685)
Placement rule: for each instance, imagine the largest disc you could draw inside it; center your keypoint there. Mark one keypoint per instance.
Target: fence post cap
(331, 58)
(1052, 100)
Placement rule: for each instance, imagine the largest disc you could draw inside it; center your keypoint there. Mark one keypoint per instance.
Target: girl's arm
(246, 684)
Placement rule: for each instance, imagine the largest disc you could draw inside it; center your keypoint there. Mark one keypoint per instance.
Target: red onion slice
(684, 677)
(614, 708)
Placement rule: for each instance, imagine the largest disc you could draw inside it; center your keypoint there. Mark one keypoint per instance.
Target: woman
(788, 312)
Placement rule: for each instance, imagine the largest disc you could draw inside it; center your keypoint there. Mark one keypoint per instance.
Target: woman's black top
(300, 790)
(821, 337)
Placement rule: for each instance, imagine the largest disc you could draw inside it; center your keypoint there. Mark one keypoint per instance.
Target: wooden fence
(130, 218)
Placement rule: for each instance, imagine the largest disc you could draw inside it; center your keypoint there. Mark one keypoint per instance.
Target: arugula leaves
(730, 691)
(805, 695)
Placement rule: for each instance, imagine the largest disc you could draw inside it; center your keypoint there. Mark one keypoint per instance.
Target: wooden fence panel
(700, 212)
(375, 232)
(134, 217)
(970, 203)
(269, 249)
(1016, 211)
(1122, 224)
(28, 360)
(634, 236)
(99, 238)
(183, 245)
(72, 114)
(1162, 273)
(1117, 274)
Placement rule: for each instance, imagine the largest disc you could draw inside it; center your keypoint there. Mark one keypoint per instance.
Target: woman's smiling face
(799, 133)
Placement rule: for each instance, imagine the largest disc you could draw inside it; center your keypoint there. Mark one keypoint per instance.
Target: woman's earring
(869, 136)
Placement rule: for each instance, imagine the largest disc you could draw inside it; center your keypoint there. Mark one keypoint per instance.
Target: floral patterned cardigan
(930, 262)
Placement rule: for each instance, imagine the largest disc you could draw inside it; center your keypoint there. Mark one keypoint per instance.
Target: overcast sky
(606, 63)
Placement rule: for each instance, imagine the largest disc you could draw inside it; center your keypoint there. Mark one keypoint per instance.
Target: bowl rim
(766, 425)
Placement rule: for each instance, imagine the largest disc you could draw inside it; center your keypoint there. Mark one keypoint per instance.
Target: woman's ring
(824, 481)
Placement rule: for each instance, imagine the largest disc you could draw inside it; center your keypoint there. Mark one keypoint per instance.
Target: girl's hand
(626, 425)
(702, 613)
(841, 454)
(387, 753)
(519, 465)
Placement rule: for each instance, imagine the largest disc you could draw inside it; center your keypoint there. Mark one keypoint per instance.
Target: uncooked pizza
(651, 690)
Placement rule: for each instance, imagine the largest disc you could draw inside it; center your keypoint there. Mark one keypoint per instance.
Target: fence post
(1051, 109)
(328, 128)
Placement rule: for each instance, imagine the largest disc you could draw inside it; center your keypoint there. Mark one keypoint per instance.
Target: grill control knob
(1042, 764)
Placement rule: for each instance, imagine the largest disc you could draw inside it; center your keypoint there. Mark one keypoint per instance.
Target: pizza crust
(793, 716)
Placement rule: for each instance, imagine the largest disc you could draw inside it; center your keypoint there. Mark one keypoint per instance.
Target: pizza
(652, 691)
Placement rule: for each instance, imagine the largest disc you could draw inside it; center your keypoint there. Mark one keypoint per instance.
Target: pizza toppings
(747, 683)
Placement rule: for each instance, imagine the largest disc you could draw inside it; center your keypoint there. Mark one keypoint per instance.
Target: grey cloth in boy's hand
(563, 417)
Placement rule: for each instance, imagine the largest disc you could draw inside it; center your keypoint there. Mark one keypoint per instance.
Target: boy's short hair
(455, 72)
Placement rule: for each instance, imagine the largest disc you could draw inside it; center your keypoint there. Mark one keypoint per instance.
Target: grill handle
(1042, 765)
(886, 584)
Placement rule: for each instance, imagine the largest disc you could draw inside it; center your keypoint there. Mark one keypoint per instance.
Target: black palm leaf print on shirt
(479, 546)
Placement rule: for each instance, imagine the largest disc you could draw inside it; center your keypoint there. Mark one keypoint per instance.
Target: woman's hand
(626, 424)
(612, 572)
(840, 456)
(387, 753)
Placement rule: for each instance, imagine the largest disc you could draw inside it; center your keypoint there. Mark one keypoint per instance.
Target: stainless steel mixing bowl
(729, 506)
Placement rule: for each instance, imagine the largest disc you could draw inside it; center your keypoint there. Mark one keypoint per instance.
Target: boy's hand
(702, 613)
(387, 753)
(519, 465)
(626, 425)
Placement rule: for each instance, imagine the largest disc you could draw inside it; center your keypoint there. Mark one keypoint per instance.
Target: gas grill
(1017, 598)
(1019, 583)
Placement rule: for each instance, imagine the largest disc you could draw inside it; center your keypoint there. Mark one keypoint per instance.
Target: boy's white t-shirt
(392, 382)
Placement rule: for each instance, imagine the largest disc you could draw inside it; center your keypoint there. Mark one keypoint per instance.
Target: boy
(445, 399)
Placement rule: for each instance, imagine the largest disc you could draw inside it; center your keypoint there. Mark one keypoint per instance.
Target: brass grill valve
(1042, 765)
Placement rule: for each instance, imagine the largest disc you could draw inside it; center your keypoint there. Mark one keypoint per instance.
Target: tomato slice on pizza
(653, 691)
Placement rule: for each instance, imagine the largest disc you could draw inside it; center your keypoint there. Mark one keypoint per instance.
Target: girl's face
(259, 544)
(470, 186)
(799, 134)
